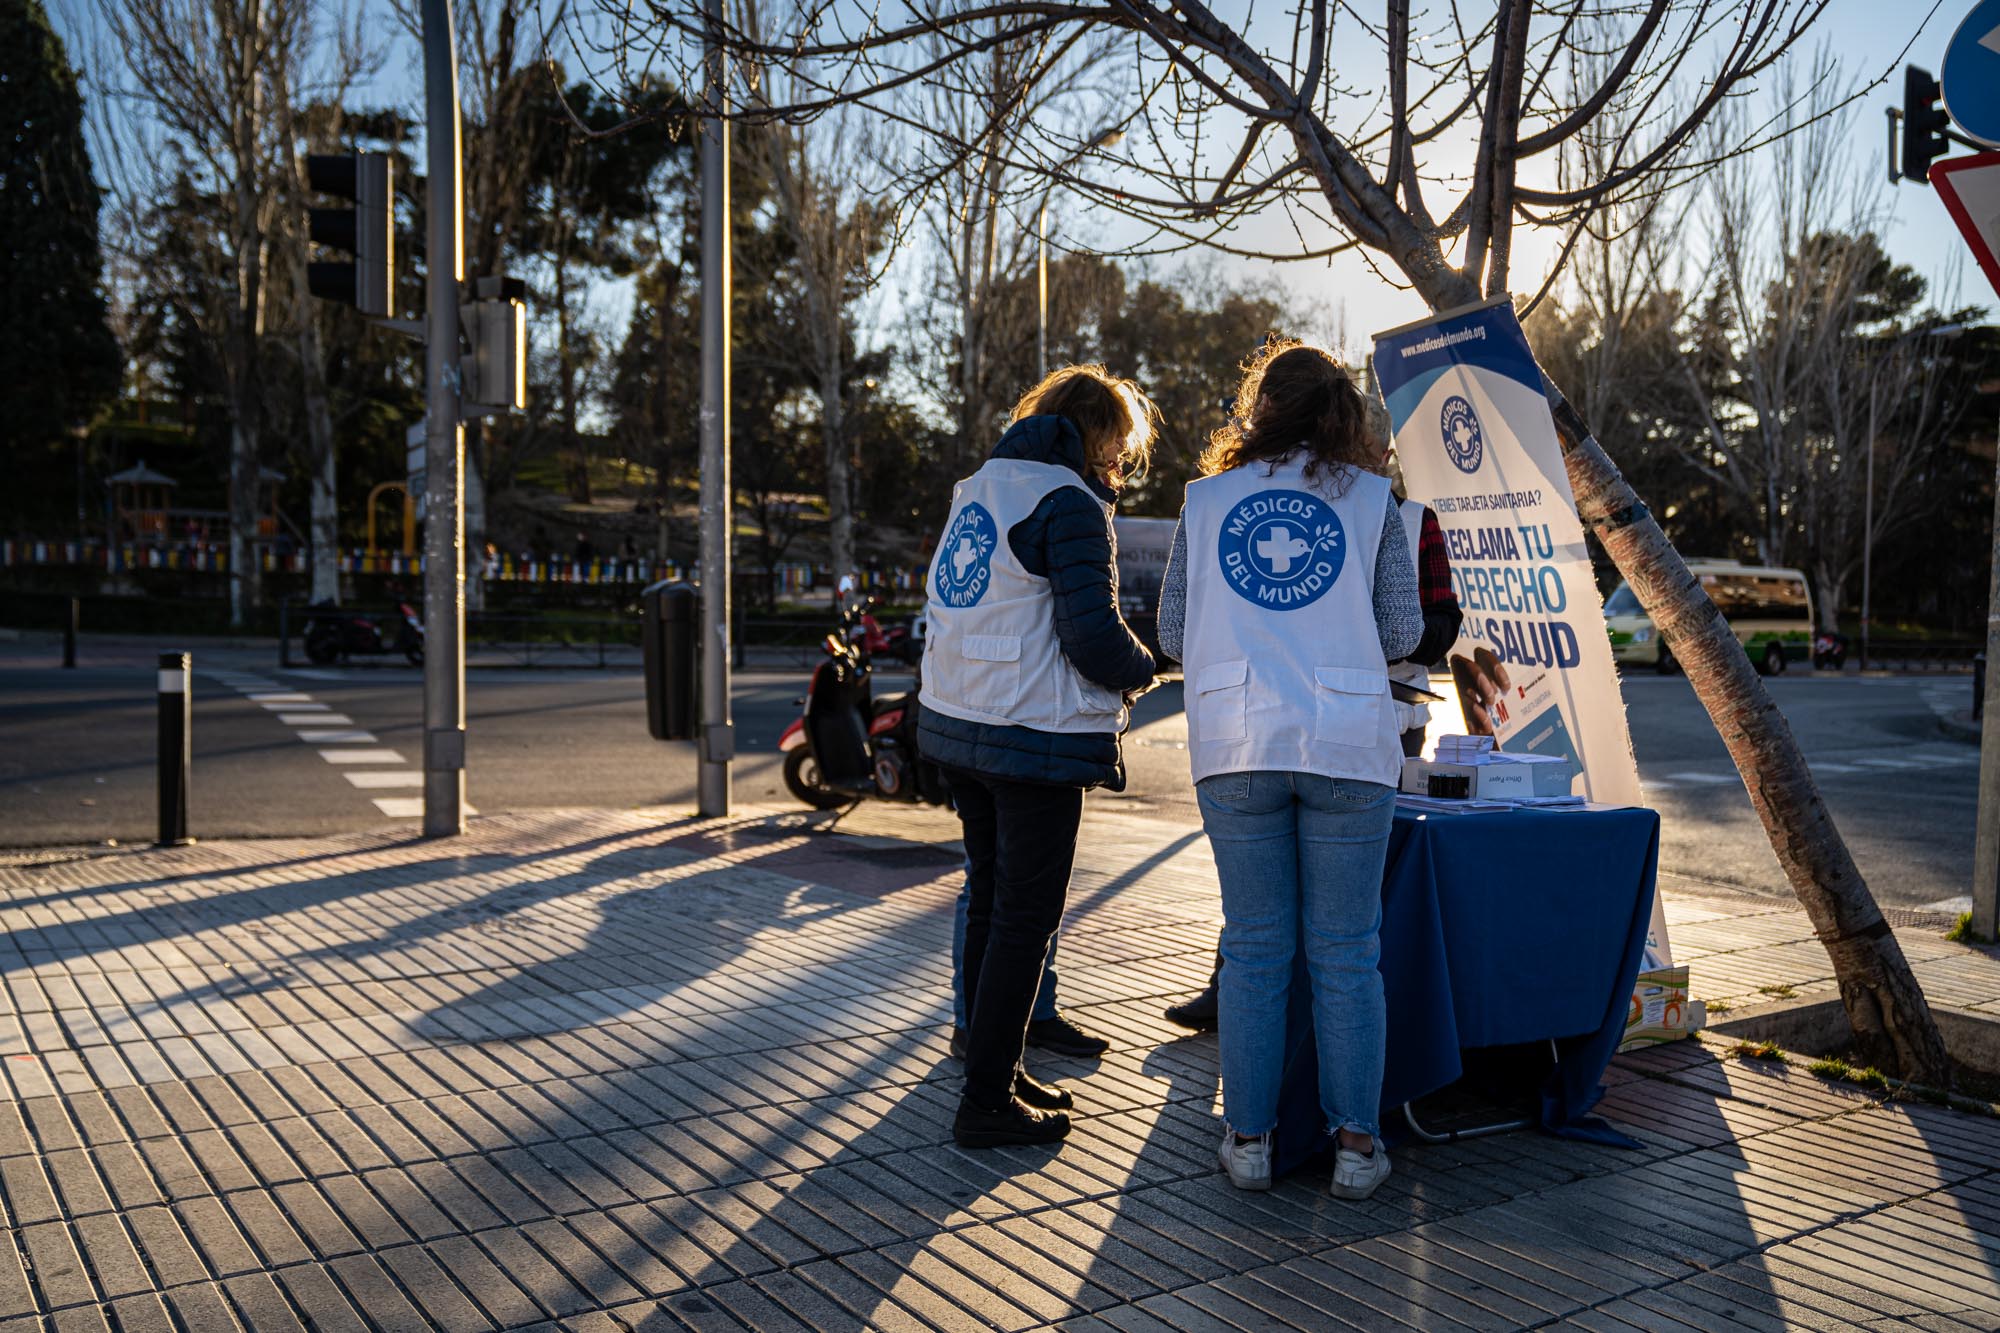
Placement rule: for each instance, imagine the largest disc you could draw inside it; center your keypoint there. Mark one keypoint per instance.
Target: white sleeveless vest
(990, 648)
(1283, 662)
(1411, 716)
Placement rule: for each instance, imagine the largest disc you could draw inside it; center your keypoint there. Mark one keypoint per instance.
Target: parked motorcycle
(1829, 651)
(332, 635)
(847, 745)
(902, 642)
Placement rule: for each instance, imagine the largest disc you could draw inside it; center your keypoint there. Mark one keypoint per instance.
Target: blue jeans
(1292, 850)
(1045, 995)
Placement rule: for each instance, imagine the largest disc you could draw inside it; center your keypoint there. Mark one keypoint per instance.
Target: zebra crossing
(1724, 774)
(355, 752)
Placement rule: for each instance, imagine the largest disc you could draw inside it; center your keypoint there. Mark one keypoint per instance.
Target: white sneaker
(1248, 1164)
(1356, 1176)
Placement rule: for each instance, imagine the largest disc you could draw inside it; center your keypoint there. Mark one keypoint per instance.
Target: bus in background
(1770, 610)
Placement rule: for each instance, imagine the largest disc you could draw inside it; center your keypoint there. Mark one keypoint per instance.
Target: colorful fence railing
(791, 579)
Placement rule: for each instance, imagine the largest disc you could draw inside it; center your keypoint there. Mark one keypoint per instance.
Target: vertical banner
(1533, 662)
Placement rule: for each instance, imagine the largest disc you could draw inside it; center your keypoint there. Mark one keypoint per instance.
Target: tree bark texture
(839, 472)
(1891, 1019)
(246, 331)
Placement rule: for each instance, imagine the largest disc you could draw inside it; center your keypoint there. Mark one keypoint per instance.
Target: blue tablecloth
(1497, 929)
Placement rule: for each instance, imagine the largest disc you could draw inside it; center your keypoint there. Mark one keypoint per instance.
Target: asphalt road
(76, 757)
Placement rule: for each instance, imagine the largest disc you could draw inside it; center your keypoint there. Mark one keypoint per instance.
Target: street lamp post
(1986, 841)
(444, 440)
(1109, 137)
(717, 736)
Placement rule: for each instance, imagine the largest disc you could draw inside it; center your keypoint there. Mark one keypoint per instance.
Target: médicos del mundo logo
(965, 560)
(1464, 437)
(1282, 550)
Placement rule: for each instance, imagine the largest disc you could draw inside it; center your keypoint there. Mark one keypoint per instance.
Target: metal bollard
(69, 631)
(176, 747)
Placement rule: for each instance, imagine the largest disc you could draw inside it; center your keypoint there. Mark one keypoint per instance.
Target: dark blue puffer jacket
(1067, 541)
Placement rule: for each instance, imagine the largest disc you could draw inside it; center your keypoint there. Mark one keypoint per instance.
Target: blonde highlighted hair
(1114, 416)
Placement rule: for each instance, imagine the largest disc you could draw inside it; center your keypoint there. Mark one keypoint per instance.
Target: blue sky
(1867, 36)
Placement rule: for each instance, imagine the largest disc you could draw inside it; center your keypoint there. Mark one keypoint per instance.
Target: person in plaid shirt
(1442, 618)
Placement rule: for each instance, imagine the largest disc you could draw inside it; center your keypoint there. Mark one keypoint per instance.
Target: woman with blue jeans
(1289, 590)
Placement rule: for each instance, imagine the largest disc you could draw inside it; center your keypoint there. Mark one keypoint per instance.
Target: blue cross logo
(1282, 549)
(1464, 437)
(965, 557)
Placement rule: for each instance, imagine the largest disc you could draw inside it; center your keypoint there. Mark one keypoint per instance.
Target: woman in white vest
(1289, 591)
(1027, 663)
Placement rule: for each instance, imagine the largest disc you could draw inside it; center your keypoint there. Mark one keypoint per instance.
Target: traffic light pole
(717, 738)
(444, 440)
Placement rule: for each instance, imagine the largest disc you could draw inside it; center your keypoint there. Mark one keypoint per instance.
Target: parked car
(1769, 608)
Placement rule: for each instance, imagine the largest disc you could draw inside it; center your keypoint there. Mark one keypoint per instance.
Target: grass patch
(1837, 1070)
(1717, 1006)
(1783, 991)
(1760, 1050)
(1963, 933)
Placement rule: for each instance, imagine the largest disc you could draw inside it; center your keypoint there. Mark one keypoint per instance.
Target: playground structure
(142, 512)
(409, 517)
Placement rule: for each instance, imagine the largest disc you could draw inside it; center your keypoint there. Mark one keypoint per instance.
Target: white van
(1770, 609)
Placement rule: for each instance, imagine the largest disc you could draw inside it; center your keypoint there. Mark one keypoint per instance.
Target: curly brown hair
(1114, 416)
(1295, 396)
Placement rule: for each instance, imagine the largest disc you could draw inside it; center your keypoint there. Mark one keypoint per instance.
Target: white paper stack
(1490, 774)
(1464, 749)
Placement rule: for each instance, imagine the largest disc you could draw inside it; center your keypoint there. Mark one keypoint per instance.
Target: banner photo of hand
(1482, 691)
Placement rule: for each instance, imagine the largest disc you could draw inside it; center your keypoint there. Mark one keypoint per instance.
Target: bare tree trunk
(1830, 592)
(833, 438)
(247, 324)
(576, 465)
(323, 474)
(323, 495)
(1891, 1019)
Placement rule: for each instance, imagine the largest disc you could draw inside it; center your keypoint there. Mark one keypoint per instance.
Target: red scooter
(847, 745)
(896, 641)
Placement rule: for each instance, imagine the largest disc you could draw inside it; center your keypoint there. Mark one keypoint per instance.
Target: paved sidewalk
(599, 1071)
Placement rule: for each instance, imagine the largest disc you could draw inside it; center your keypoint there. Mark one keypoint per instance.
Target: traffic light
(1924, 124)
(494, 375)
(367, 230)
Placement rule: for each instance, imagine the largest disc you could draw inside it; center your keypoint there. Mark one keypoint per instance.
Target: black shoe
(1197, 1014)
(1063, 1037)
(958, 1043)
(1042, 1096)
(1016, 1123)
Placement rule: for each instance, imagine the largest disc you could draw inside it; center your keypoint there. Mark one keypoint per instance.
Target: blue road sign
(1971, 74)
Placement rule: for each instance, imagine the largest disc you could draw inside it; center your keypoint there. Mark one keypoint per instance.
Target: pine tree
(58, 359)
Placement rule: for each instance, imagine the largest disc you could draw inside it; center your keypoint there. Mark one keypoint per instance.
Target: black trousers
(1020, 845)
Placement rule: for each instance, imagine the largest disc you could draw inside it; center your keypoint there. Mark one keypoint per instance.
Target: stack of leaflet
(1451, 805)
(1488, 775)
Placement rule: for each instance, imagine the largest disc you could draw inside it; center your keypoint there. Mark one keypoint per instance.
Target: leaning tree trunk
(1891, 1019)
